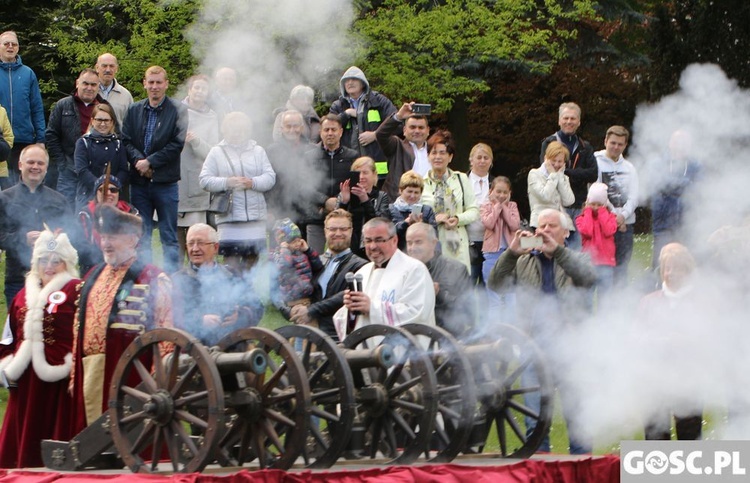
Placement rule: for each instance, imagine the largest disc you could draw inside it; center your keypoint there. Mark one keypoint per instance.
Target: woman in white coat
(549, 187)
(239, 165)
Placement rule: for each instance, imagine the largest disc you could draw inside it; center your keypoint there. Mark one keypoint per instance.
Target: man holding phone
(405, 154)
(551, 284)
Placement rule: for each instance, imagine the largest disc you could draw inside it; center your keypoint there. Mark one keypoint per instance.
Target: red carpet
(594, 470)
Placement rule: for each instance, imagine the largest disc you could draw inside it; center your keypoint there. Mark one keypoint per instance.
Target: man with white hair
(395, 288)
(211, 300)
(551, 283)
(109, 89)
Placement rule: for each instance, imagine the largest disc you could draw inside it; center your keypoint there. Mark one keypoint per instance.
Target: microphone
(354, 284)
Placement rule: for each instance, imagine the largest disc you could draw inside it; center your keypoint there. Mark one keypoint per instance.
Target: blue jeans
(501, 307)
(574, 238)
(11, 290)
(162, 198)
(67, 183)
(623, 252)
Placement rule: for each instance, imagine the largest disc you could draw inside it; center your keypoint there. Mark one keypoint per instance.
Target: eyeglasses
(102, 120)
(54, 262)
(198, 243)
(111, 189)
(334, 229)
(10, 44)
(377, 241)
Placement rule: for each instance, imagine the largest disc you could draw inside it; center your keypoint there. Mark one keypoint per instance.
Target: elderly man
(20, 95)
(69, 120)
(409, 153)
(24, 209)
(454, 302)
(395, 289)
(211, 300)
(581, 167)
(111, 90)
(121, 298)
(154, 133)
(550, 285)
(330, 283)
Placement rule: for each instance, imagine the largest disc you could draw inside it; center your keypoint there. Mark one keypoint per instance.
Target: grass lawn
(558, 435)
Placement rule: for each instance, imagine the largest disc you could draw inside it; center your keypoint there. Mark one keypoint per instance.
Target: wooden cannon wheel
(153, 414)
(457, 397)
(514, 371)
(396, 406)
(332, 395)
(268, 413)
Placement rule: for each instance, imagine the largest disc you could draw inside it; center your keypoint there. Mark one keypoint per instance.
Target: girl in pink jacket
(597, 226)
(500, 219)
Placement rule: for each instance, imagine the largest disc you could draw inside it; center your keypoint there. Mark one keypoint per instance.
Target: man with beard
(329, 284)
(396, 289)
(121, 298)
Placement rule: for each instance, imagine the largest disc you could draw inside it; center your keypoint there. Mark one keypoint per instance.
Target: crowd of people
(85, 190)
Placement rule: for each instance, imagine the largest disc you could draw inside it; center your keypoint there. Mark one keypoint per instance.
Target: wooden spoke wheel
(155, 402)
(457, 397)
(332, 395)
(268, 413)
(507, 379)
(396, 406)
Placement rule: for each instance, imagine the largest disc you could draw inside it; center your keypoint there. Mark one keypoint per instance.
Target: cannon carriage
(388, 394)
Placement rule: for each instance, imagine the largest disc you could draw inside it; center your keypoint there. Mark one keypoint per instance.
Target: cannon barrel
(255, 361)
(380, 356)
(478, 353)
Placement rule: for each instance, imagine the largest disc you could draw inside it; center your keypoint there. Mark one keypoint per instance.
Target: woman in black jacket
(363, 200)
(95, 150)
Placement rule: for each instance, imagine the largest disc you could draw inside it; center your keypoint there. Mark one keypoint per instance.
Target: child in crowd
(501, 219)
(297, 263)
(407, 209)
(597, 226)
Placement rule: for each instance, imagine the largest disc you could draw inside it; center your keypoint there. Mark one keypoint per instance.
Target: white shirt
(481, 185)
(421, 163)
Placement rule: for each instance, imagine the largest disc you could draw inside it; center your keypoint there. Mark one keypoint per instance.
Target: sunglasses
(112, 189)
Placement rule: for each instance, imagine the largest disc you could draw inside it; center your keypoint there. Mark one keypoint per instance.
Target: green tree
(436, 51)
(139, 32)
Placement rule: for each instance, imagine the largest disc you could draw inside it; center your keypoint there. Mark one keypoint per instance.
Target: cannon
(437, 398)
(388, 394)
(187, 406)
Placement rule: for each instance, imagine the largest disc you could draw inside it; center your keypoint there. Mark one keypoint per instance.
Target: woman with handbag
(237, 173)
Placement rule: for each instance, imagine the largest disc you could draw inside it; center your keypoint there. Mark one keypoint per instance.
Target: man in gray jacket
(551, 284)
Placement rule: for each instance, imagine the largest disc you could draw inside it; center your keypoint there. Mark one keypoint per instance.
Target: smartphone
(535, 242)
(353, 178)
(421, 109)
(416, 208)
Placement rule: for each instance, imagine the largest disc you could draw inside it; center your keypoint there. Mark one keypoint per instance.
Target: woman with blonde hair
(549, 186)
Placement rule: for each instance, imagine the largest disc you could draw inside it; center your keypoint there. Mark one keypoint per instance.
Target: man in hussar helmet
(116, 295)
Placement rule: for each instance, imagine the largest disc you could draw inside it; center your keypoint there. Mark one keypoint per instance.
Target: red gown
(37, 409)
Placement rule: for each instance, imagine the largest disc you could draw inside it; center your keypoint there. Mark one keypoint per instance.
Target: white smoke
(274, 46)
(623, 364)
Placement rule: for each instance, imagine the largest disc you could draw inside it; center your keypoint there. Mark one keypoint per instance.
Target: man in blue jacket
(21, 97)
(154, 134)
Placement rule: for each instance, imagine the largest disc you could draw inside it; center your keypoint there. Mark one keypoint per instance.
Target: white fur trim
(32, 347)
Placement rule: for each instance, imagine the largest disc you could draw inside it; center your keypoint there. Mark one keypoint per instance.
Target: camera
(421, 109)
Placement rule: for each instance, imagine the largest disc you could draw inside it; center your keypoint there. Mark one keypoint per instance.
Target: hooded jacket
(21, 97)
(372, 110)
